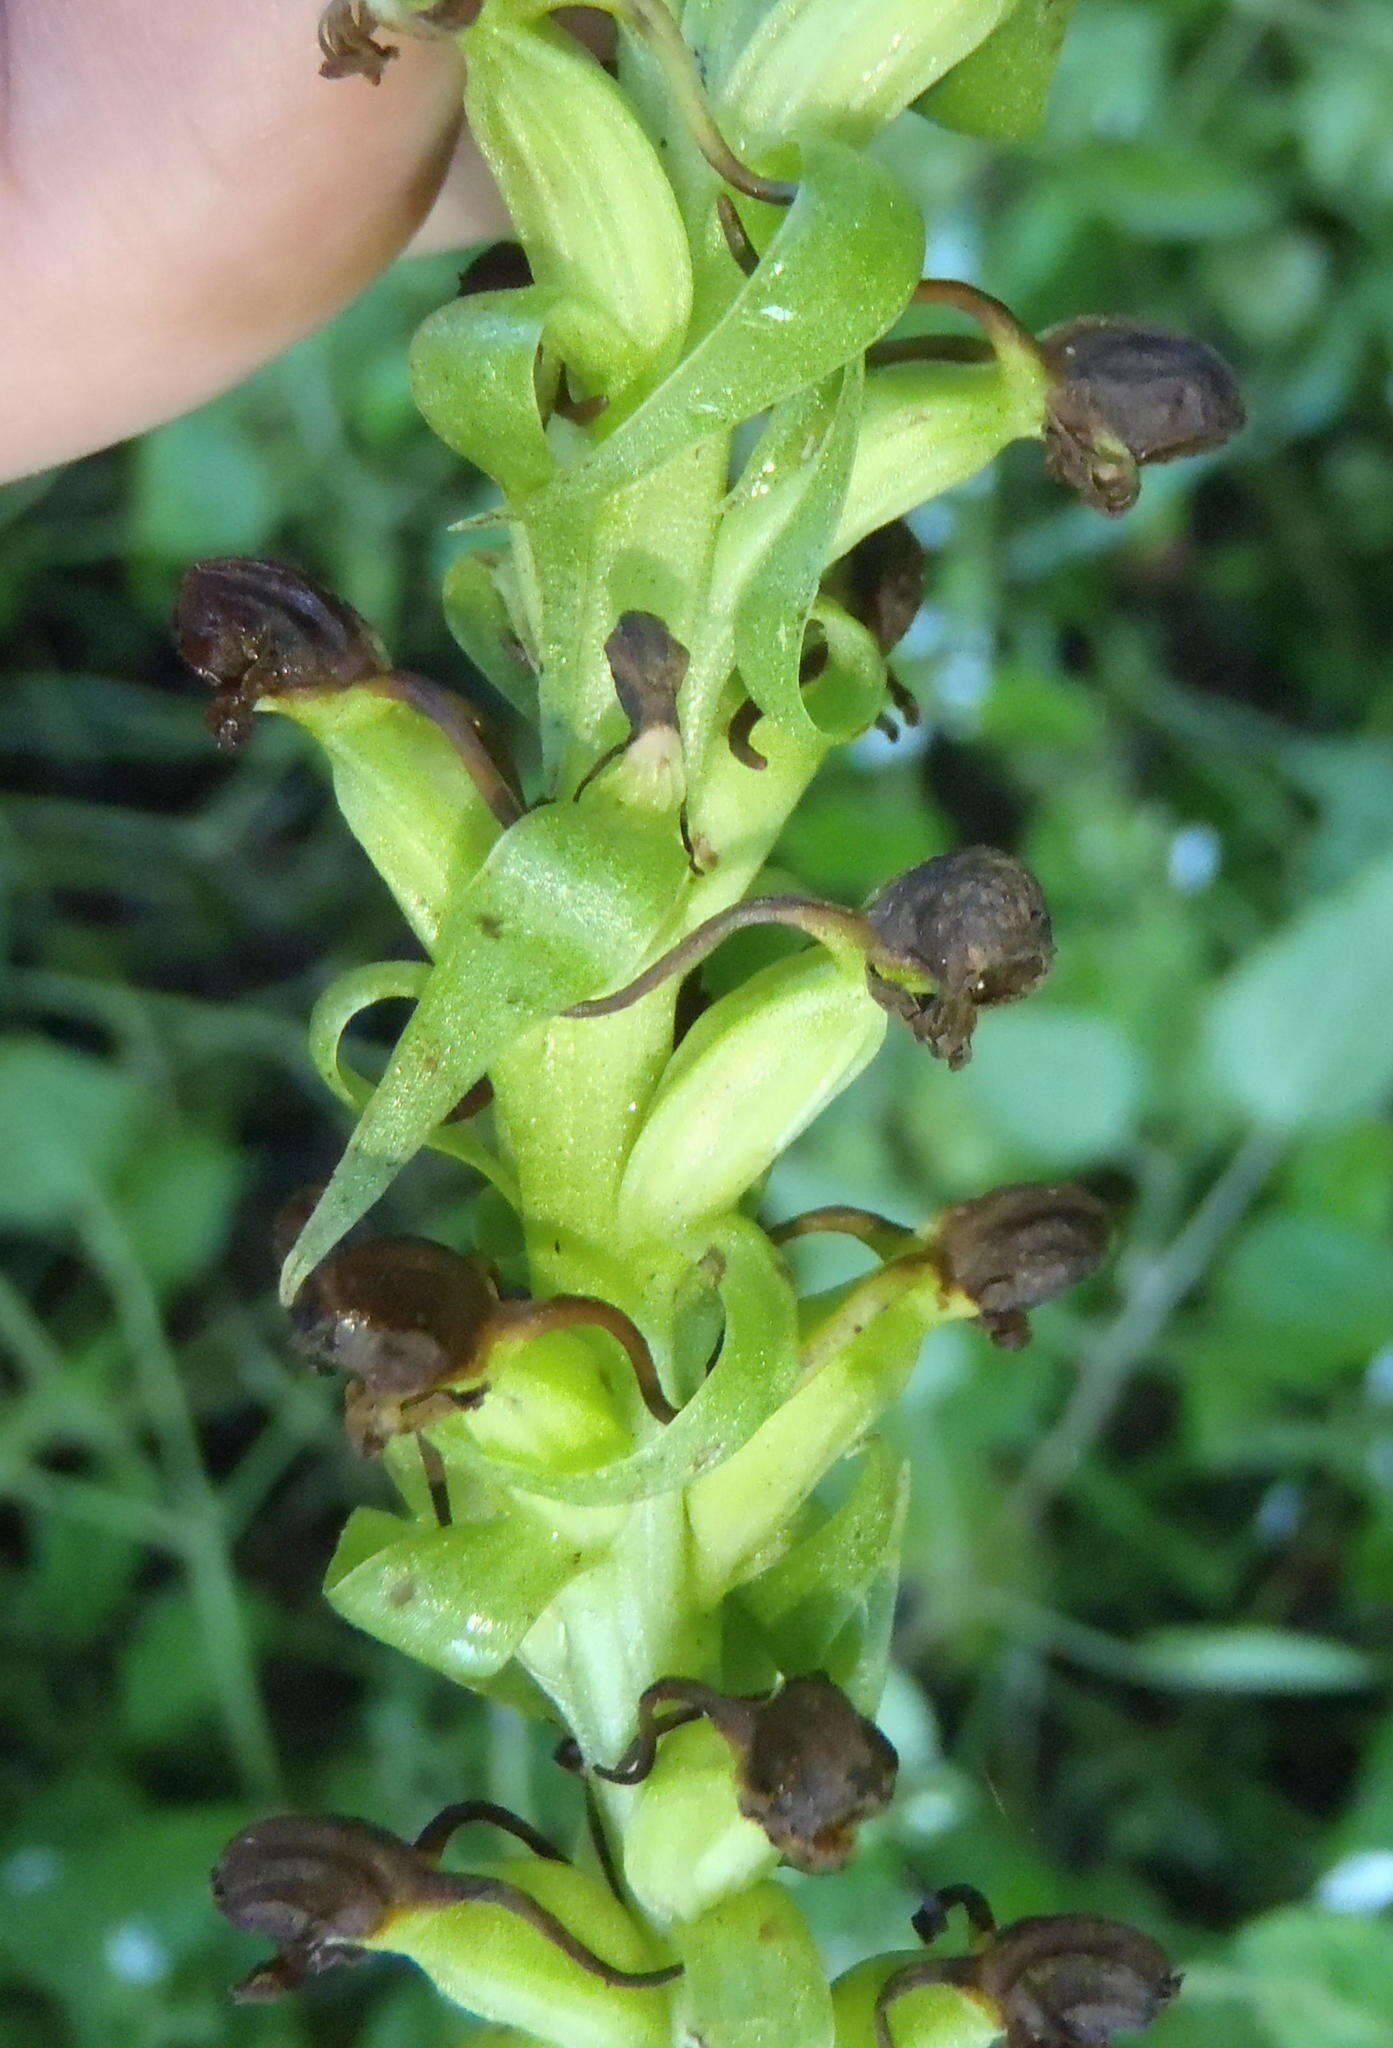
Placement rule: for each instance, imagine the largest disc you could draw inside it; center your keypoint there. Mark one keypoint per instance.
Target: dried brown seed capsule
(257, 629)
(886, 1239)
(813, 1770)
(414, 1324)
(1019, 1246)
(321, 1887)
(1125, 395)
(401, 1315)
(1059, 1980)
(254, 629)
(974, 924)
(1119, 394)
(318, 1887)
(809, 1768)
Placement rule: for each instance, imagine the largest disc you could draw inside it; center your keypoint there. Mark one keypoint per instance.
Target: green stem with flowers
(692, 416)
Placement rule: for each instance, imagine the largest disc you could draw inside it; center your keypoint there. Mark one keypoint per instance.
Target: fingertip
(175, 218)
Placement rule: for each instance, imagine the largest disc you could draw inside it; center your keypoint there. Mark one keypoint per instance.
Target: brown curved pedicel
(323, 1887)
(810, 914)
(809, 1768)
(255, 629)
(974, 927)
(1062, 1980)
(884, 1238)
(436, 1836)
(1017, 1247)
(582, 1311)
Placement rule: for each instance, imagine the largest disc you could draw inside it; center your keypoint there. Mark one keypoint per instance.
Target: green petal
(753, 1974)
(776, 534)
(1001, 89)
(459, 1600)
(405, 795)
(753, 1071)
(804, 1602)
(492, 1963)
(849, 65)
(586, 193)
(927, 426)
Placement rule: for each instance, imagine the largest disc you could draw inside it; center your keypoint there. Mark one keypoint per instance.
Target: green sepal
(492, 1963)
(405, 795)
(460, 1599)
(848, 66)
(686, 1843)
(752, 1072)
(850, 692)
(926, 426)
(478, 616)
(838, 270)
(858, 1351)
(586, 193)
(570, 901)
(806, 1601)
(474, 375)
(755, 1369)
(934, 2016)
(1002, 89)
(752, 1973)
(549, 1403)
(775, 535)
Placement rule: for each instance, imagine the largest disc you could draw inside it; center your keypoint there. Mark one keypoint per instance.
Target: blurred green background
(1147, 1628)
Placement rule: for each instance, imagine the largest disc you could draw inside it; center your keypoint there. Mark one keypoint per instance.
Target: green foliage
(1147, 1564)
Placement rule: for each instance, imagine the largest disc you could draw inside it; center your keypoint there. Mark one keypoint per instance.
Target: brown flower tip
(809, 1768)
(1073, 1980)
(1058, 1980)
(316, 1887)
(975, 924)
(253, 629)
(501, 267)
(347, 45)
(812, 1770)
(401, 1316)
(1017, 1247)
(1127, 395)
(346, 32)
(885, 582)
(648, 666)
